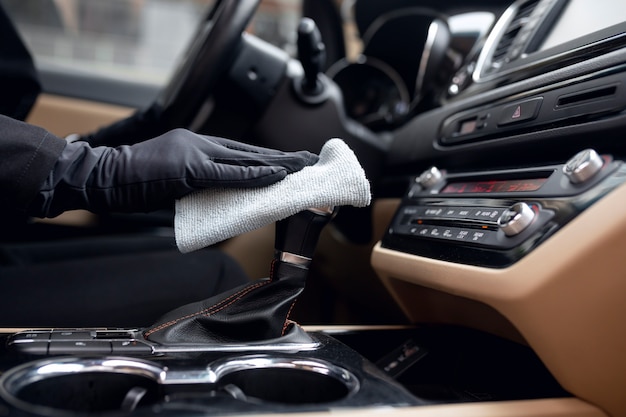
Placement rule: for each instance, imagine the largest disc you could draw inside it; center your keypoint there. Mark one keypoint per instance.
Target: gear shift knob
(312, 55)
(297, 235)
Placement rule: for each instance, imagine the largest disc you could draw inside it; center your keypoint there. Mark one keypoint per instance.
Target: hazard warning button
(520, 111)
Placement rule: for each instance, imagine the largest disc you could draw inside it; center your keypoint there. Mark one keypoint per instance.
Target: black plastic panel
(559, 106)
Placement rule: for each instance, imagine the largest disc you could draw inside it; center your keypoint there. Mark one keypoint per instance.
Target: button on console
(70, 335)
(519, 112)
(32, 348)
(478, 236)
(130, 346)
(79, 347)
(37, 335)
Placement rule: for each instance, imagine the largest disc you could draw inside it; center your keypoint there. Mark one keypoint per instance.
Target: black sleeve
(28, 155)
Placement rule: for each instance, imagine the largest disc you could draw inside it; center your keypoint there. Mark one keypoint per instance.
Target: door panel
(65, 115)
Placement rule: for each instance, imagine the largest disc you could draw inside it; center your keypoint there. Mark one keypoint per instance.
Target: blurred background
(135, 40)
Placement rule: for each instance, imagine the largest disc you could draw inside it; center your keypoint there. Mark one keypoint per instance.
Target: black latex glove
(150, 175)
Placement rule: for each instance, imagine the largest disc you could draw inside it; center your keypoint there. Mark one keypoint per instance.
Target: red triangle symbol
(517, 113)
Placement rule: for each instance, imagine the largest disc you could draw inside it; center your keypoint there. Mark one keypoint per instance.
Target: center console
(326, 375)
(345, 369)
(234, 353)
(238, 354)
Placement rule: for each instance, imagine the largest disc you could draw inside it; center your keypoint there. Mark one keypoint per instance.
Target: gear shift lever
(297, 236)
(311, 87)
(312, 55)
(259, 310)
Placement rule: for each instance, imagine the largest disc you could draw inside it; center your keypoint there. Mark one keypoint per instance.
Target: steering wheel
(206, 60)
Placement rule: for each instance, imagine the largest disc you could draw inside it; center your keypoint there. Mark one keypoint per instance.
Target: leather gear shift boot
(258, 311)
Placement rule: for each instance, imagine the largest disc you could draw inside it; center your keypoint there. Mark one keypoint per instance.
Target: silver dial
(429, 177)
(582, 166)
(516, 219)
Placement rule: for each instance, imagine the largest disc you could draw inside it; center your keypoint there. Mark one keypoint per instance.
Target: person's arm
(28, 154)
(150, 175)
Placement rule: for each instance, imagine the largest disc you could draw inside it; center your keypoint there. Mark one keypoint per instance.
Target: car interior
(486, 277)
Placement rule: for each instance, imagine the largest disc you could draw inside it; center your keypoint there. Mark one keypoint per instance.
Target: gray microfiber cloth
(213, 215)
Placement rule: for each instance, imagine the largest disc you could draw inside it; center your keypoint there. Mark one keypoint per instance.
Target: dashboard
(391, 84)
(512, 219)
(516, 94)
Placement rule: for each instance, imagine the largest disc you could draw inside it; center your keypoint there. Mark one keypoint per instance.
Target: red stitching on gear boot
(287, 321)
(210, 310)
(272, 266)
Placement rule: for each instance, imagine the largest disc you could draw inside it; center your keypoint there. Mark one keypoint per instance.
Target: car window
(130, 40)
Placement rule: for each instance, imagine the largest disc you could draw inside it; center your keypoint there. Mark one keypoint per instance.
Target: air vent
(513, 35)
(509, 46)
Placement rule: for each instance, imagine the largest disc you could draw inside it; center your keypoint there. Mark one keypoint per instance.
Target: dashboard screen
(493, 186)
(582, 17)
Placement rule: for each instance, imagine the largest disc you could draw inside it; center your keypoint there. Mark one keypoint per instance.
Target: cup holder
(284, 380)
(74, 386)
(66, 386)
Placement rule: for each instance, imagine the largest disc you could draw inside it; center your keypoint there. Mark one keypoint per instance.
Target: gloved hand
(150, 175)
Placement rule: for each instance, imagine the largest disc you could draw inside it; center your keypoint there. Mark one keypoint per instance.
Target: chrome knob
(582, 166)
(429, 177)
(516, 218)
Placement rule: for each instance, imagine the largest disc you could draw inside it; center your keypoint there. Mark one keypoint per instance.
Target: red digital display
(494, 186)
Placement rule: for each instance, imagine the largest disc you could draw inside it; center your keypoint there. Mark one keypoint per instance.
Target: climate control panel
(484, 226)
(494, 218)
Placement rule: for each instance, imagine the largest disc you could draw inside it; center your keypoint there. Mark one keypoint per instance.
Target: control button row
(459, 234)
(489, 214)
(44, 342)
(73, 334)
(70, 347)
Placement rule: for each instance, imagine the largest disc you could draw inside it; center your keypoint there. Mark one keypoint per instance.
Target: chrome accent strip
(594, 46)
(285, 347)
(292, 258)
(17, 378)
(484, 59)
(381, 20)
(494, 37)
(190, 376)
(223, 367)
(324, 211)
(433, 29)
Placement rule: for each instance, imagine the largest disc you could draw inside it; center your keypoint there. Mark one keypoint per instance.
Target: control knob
(582, 166)
(516, 218)
(429, 177)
